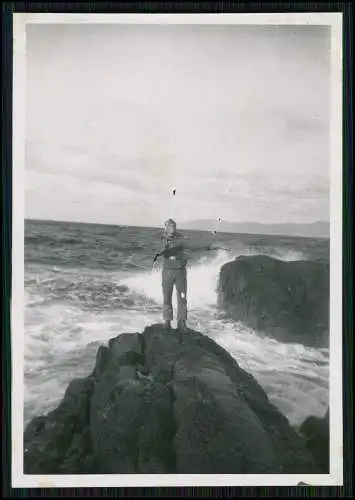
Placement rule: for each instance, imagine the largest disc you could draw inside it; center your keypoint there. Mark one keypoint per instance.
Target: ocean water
(86, 283)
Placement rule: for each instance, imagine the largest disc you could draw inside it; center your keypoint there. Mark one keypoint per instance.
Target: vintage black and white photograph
(179, 229)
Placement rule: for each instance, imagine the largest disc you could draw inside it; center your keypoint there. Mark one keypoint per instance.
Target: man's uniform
(174, 273)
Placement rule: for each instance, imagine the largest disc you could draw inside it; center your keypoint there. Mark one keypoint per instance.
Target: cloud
(235, 118)
(77, 164)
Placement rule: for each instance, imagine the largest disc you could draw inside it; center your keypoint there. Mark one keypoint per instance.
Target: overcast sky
(235, 118)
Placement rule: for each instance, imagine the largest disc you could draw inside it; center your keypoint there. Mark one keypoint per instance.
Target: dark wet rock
(62, 439)
(288, 301)
(316, 432)
(157, 403)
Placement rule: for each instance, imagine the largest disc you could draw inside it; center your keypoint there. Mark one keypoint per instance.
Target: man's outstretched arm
(186, 245)
(169, 252)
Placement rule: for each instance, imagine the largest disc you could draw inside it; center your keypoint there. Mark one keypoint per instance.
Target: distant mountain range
(320, 229)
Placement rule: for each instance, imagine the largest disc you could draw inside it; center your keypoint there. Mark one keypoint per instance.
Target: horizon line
(184, 222)
(187, 229)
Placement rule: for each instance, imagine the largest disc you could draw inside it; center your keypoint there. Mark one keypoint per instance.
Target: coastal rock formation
(288, 301)
(316, 432)
(160, 403)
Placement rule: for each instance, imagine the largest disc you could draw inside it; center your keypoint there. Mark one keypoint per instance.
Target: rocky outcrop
(286, 300)
(316, 432)
(157, 403)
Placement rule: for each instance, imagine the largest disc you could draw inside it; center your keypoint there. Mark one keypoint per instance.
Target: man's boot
(167, 325)
(182, 326)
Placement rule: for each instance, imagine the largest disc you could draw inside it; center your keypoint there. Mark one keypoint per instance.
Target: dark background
(6, 165)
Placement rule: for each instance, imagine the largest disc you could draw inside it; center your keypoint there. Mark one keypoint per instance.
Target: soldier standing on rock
(174, 273)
